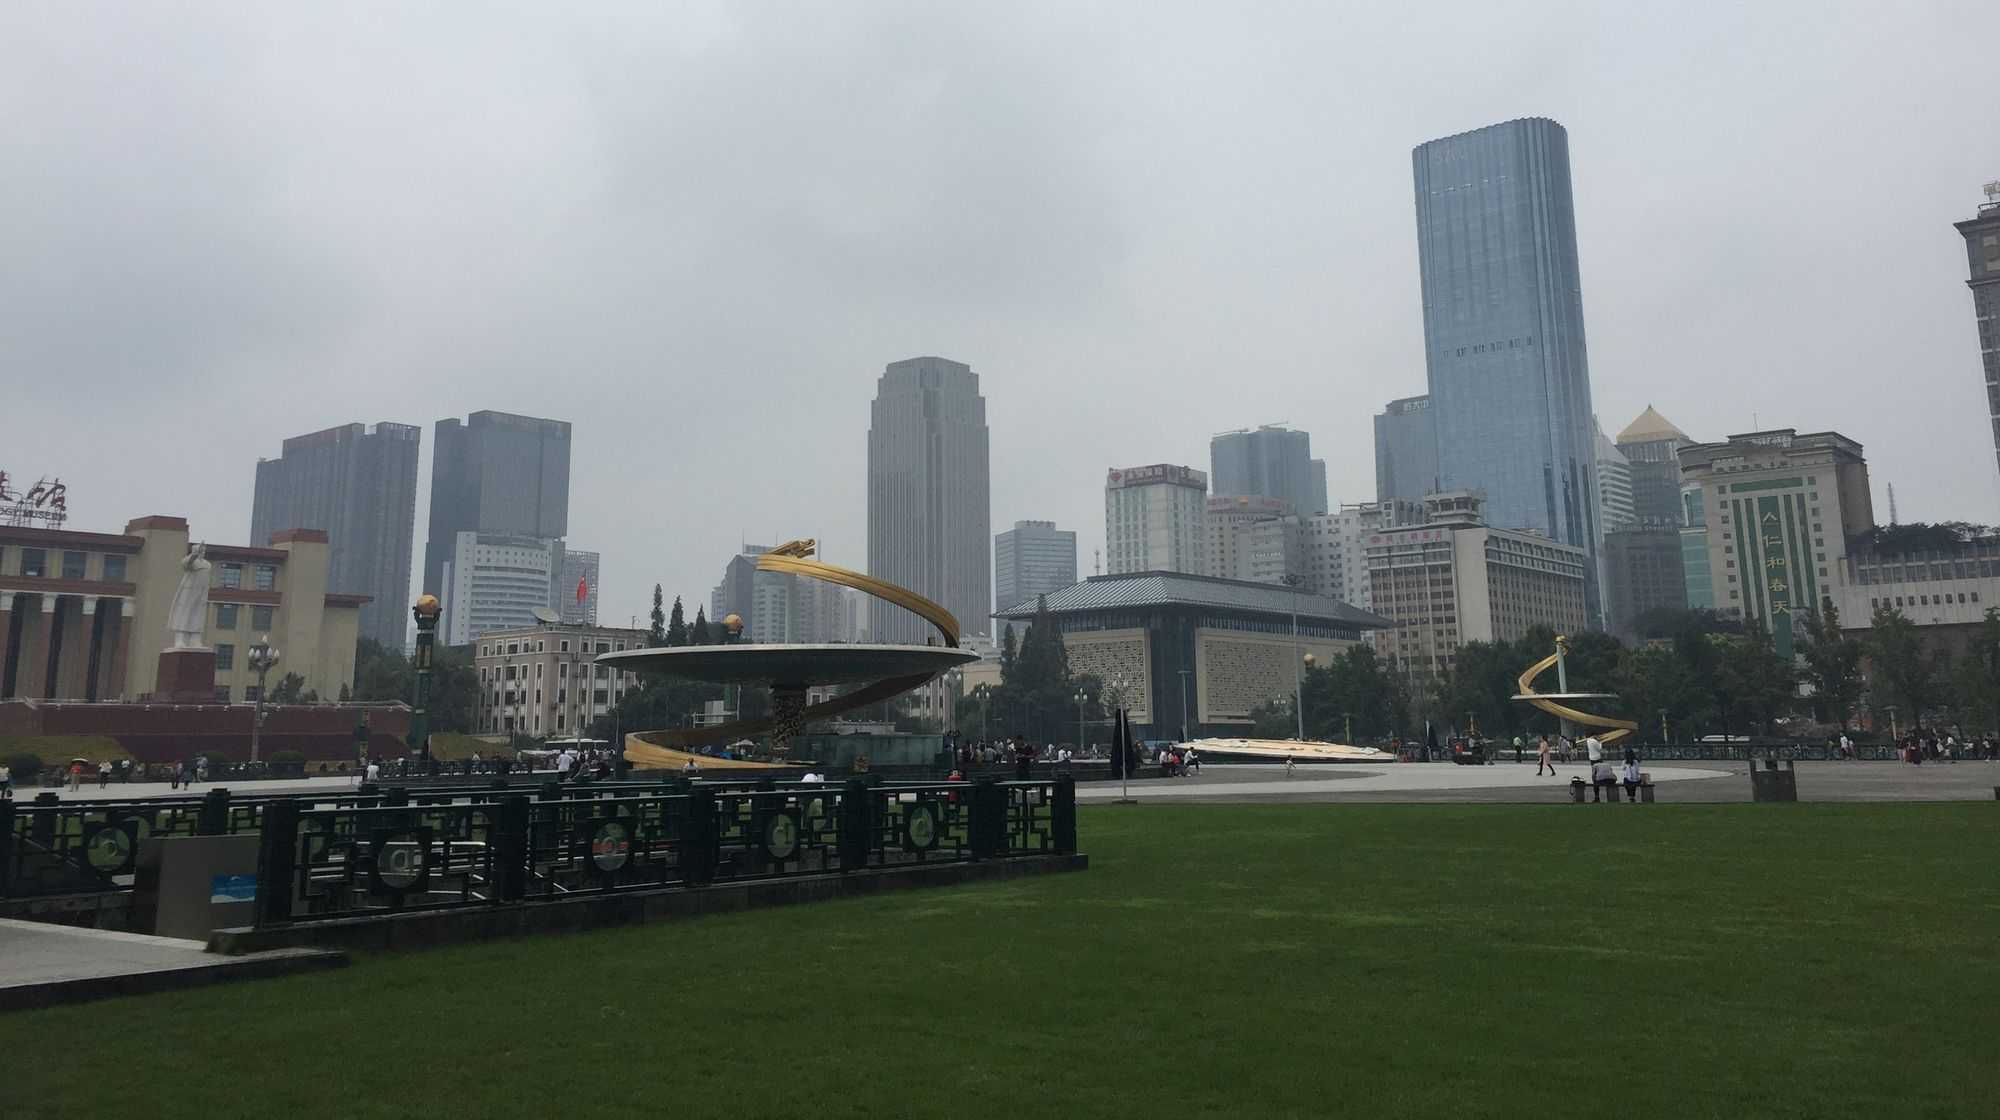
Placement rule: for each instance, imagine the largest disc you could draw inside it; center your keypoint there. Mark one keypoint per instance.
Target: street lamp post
(1081, 696)
(263, 656)
(1664, 737)
(1117, 744)
(426, 610)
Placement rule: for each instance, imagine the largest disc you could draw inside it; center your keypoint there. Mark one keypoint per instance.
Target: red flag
(581, 591)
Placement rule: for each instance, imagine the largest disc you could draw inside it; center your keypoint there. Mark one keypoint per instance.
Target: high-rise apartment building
(1155, 520)
(1268, 462)
(778, 607)
(359, 484)
(495, 473)
(574, 595)
(1033, 558)
(929, 495)
(1406, 451)
(1335, 546)
(1780, 508)
(1503, 329)
(1454, 580)
(494, 581)
(1982, 252)
(1230, 524)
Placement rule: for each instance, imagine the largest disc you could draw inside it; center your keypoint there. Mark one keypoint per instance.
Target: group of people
(1929, 746)
(1018, 751)
(1176, 762)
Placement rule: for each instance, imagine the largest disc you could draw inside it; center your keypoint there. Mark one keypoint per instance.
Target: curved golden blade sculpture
(795, 558)
(1615, 729)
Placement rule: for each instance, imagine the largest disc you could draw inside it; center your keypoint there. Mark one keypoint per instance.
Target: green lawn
(1301, 960)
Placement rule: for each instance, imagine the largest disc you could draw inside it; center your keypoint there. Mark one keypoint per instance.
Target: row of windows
(263, 577)
(1923, 600)
(35, 564)
(514, 648)
(507, 672)
(227, 615)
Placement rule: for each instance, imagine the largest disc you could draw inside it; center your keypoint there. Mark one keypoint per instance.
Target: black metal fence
(329, 862)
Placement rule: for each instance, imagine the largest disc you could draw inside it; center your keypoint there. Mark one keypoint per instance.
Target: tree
(1756, 682)
(1976, 677)
(1832, 664)
(292, 690)
(1904, 673)
(656, 634)
(381, 673)
(698, 634)
(677, 627)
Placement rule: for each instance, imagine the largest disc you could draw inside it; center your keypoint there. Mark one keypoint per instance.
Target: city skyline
(521, 260)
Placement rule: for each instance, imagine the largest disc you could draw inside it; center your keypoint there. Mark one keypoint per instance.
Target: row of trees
(1038, 694)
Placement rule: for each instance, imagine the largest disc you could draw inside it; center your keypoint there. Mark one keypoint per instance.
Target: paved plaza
(1516, 783)
(43, 964)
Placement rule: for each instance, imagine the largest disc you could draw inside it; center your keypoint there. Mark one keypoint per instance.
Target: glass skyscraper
(928, 496)
(1503, 329)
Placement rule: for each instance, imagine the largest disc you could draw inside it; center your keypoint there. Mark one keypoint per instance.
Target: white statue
(187, 619)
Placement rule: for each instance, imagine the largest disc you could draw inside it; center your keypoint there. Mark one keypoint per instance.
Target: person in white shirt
(374, 771)
(1631, 776)
(565, 761)
(1593, 749)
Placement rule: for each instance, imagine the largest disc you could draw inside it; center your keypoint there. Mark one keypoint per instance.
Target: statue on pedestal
(187, 619)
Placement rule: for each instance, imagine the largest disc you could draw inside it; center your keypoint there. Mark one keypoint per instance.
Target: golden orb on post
(426, 607)
(733, 624)
(1310, 660)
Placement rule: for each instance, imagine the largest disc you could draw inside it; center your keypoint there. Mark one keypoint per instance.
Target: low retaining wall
(426, 928)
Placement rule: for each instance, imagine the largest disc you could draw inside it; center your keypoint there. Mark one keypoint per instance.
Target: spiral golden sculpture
(1615, 729)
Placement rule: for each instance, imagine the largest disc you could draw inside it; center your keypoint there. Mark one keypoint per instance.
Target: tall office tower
(1503, 330)
(1645, 562)
(1268, 462)
(1651, 446)
(1614, 485)
(1033, 558)
(1982, 251)
(929, 495)
(1406, 451)
(1779, 508)
(1155, 520)
(1319, 487)
(577, 572)
(360, 485)
(1334, 544)
(495, 473)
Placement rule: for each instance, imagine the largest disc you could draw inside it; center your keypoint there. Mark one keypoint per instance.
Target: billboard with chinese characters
(44, 505)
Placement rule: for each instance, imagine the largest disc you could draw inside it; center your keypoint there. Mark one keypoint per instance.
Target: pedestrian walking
(1288, 766)
(1542, 759)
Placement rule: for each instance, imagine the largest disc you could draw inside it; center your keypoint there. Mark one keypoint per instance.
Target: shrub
(281, 758)
(24, 767)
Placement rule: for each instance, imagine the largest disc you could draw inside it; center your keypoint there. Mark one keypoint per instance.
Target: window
(604, 672)
(72, 565)
(264, 577)
(34, 562)
(225, 656)
(598, 698)
(604, 647)
(252, 694)
(510, 672)
(232, 576)
(222, 694)
(260, 619)
(225, 616)
(538, 670)
(562, 670)
(563, 646)
(114, 569)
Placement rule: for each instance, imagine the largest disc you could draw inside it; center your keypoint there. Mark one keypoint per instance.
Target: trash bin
(1646, 788)
(1576, 790)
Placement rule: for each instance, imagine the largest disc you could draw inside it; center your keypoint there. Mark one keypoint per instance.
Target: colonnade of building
(63, 647)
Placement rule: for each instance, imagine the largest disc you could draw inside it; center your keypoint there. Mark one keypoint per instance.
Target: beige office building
(544, 680)
(1455, 580)
(83, 616)
(1780, 508)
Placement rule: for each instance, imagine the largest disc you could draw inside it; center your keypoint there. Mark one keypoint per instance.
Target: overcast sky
(698, 231)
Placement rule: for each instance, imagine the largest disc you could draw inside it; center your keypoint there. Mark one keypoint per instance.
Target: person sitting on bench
(1602, 781)
(1631, 776)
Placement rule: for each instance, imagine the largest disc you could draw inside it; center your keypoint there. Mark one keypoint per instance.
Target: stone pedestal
(187, 676)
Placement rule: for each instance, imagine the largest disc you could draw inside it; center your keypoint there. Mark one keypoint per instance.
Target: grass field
(1297, 960)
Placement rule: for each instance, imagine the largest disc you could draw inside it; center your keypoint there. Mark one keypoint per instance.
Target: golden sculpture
(1615, 729)
(789, 712)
